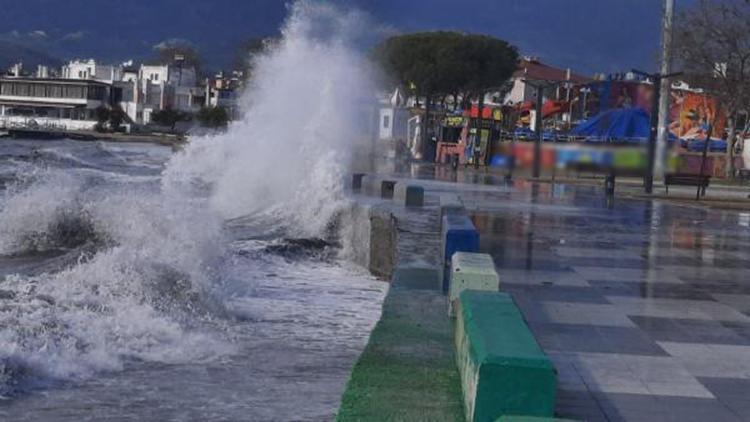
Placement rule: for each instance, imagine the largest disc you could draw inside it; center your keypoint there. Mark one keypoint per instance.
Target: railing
(30, 123)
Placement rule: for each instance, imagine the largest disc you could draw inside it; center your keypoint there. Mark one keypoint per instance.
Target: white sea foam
(147, 257)
(302, 118)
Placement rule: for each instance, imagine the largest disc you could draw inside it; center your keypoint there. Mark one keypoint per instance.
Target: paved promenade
(644, 306)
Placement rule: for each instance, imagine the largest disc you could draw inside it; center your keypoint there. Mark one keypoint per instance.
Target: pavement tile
(711, 360)
(631, 374)
(540, 277)
(579, 313)
(597, 339)
(558, 293)
(740, 302)
(676, 308)
(651, 290)
(634, 275)
(692, 331)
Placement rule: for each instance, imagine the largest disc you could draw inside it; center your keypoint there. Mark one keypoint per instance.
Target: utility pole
(539, 122)
(703, 161)
(539, 126)
(656, 78)
(664, 89)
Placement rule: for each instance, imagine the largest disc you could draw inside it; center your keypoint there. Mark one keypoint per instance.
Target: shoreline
(91, 136)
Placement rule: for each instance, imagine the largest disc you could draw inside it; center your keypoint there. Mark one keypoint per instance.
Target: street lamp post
(540, 86)
(656, 78)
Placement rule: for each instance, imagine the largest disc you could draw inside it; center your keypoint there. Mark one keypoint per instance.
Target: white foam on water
(302, 120)
(144, 279)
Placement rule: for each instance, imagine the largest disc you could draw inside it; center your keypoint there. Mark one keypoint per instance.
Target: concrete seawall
(417, 356)
(369, 237)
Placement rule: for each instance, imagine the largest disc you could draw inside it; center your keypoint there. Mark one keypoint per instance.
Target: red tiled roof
(535, 70)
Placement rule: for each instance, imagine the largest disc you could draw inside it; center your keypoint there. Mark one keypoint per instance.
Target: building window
(386, 122)
(155, 77)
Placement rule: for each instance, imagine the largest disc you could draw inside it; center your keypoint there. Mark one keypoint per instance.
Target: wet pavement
(644, 306)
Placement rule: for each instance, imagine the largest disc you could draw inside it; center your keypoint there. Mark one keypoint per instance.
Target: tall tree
(437, 64)
(116, 117)
(169, 117)
(713, 47)
(440, 63)
(213, 117)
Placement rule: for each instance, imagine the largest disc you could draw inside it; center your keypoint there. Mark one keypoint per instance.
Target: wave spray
(129, 267)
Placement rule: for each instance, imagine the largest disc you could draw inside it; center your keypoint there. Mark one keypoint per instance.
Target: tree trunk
(425, 125)
(480, 109)
(729, 167)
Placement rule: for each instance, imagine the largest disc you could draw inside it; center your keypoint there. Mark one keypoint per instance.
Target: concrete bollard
(357, 181)
(370, 185)
(475, 271)
(387, 187)
(450, 203)
(409, 195)
(502, 368)
(457, 234)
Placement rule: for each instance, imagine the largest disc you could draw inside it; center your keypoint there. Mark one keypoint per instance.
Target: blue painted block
(458, 235)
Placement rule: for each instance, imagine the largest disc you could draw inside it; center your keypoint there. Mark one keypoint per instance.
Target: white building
(151, 88)
(224, 91)
(71, 100)
(531, 69)
(170, 74)
(90, 69)
(393, 119)
(59, 103)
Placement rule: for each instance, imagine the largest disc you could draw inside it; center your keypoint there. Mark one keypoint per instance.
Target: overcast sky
(586, 35)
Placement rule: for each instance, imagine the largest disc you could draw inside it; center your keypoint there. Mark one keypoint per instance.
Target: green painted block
(503, 370)
(474, 271)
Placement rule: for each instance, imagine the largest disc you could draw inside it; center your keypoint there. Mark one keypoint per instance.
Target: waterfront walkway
(643, 305)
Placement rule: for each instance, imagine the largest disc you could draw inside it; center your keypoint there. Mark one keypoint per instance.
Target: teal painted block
(503, 370)
(409, 195)
(471, 271)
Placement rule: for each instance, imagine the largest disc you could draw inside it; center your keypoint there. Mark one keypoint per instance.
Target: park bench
(686, 179)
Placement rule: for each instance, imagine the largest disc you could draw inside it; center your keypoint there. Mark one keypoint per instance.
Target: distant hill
(11, 53)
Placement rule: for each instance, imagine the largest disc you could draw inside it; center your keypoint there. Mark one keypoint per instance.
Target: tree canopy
(213, 117)
(712, 41)
(441, 63)
(169, 117)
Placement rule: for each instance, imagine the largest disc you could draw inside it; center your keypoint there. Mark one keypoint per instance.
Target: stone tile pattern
(644, 307)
